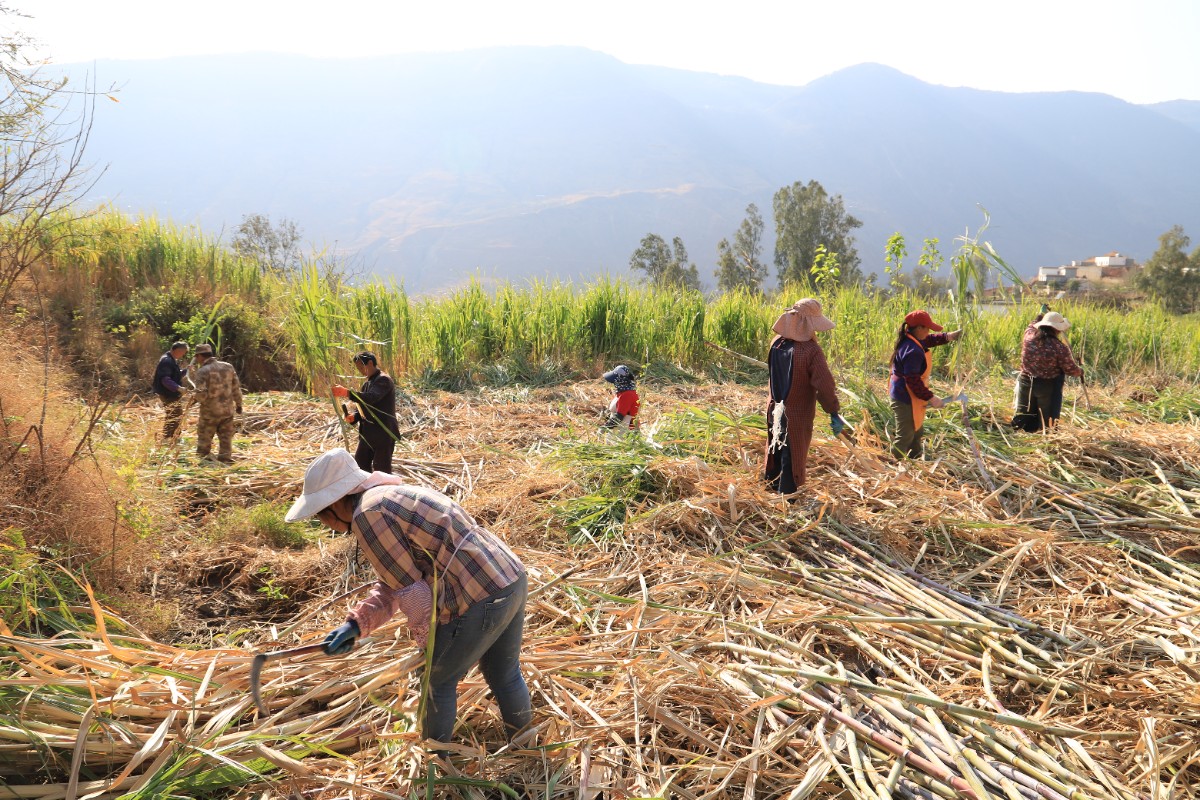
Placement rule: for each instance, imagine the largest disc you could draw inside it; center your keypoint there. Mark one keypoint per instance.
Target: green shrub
(167, 308)
(267, 523)
(36, 596)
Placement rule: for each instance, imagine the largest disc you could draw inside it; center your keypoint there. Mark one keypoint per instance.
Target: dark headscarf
(621, 377)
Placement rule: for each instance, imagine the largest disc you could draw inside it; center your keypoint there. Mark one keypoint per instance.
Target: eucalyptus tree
(665, 266)
(807, 217)
(1171, 276)
(274, 247)
(739, 265)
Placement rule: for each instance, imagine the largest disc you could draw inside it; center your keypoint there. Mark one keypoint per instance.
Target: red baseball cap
(921, 319)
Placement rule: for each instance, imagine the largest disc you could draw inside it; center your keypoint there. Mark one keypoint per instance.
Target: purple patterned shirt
(1046, 357)
(909, 366)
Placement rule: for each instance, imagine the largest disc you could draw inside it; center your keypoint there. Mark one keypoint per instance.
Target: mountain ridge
(509, 163)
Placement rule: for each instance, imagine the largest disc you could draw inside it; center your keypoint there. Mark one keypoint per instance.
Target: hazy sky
(1139, 50)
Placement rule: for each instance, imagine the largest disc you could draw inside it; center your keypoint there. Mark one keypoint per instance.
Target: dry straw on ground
(911, 633)
(48, 471)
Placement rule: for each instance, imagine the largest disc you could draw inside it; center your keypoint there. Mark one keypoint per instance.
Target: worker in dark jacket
(168, 385)
(375, 414)
(799, 379)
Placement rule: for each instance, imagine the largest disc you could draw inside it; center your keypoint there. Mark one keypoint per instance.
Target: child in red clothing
(624, 407)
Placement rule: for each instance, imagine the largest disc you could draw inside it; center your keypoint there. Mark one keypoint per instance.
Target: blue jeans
(488, 633)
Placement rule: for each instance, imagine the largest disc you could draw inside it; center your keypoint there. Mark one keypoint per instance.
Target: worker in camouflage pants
(219, 395)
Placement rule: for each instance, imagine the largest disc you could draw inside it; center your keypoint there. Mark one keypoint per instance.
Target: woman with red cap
(909, 391)
(800, 378)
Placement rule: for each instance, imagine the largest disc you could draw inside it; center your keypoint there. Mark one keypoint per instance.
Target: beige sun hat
(330, 477)
(1055, 320)
(802, 320)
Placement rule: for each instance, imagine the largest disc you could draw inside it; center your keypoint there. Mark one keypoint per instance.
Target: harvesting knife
(262, 658)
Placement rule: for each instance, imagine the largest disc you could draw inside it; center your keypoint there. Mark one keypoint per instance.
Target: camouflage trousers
(223, 428)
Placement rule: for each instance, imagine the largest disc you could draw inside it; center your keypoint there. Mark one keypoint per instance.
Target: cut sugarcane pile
(278, 431)
(911, 634)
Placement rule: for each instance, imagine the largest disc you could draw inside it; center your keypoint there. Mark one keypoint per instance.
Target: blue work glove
(341, 639)
(1045, 309)
(837, 423)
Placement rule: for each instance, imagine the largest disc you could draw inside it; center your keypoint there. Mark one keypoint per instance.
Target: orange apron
(918, 405)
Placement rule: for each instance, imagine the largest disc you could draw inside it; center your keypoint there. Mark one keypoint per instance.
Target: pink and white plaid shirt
(382, 603)
(413, 535)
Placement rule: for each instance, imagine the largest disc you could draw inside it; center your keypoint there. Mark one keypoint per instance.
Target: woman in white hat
(1046, 360)
(799, 379)
(437, 565)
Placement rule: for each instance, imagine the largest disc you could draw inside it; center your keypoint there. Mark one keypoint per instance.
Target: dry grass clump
(1009, 627)
(59, 495)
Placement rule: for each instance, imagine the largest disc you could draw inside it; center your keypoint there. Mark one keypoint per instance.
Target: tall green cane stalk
(971, 267)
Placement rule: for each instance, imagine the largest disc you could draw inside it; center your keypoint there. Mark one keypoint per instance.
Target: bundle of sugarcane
(141, 717)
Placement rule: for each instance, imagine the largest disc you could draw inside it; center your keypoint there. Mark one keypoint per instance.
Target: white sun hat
(1055, 320)
(330, 477)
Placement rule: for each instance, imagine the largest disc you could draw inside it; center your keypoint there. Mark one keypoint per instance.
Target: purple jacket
(909, 364)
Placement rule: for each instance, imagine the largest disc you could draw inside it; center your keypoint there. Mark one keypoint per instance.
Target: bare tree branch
(44, 130)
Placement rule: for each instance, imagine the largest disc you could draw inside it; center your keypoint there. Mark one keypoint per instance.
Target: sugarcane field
(669, 401)
(1012, 617)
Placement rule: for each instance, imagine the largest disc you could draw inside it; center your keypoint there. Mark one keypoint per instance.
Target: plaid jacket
(410, 534)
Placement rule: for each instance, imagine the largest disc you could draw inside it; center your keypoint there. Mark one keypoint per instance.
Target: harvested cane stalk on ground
(915, 634)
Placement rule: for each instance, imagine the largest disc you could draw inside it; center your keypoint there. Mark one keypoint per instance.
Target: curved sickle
(262, 658)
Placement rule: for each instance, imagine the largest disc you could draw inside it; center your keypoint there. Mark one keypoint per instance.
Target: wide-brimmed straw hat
(1055, 320)
(330, 477)
(802, 320)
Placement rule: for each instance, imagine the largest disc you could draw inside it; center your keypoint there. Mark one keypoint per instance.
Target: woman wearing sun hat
(799, 379)
(909, 392)
(1046, 360)
(436, 564)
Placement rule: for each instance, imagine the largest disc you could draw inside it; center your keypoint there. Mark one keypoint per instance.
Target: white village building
(1112, 268)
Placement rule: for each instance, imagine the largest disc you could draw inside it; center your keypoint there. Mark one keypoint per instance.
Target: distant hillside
(1185, 111)
(517, 162)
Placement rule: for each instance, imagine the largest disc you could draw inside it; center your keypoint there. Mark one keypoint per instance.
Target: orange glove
(350, 418)
(340, 391)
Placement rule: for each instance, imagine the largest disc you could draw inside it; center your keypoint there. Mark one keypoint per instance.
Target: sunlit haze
(1141, 52)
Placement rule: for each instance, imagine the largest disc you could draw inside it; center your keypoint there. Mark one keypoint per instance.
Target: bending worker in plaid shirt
(437, 565)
